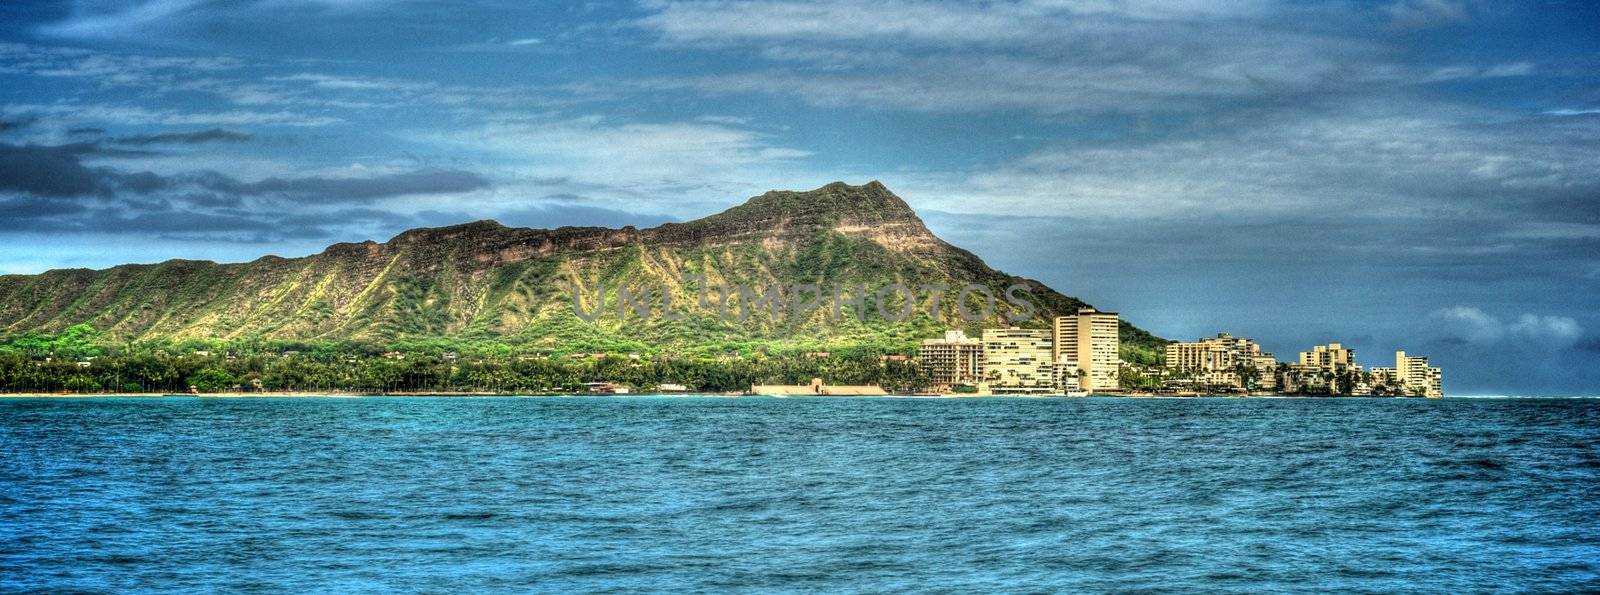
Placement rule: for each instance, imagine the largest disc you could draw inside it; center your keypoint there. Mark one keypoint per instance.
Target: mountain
(483, 282)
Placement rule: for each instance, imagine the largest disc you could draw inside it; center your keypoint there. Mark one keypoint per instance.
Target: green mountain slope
(485, 283)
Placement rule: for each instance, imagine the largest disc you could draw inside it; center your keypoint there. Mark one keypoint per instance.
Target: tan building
(817, 389)
(955, 359)
(1331, 357)
(1266, 366)
(1018, 361)
(1416, 376)
(1086, 346)
(1219, 360)
(1200, 356)
(1383, 378)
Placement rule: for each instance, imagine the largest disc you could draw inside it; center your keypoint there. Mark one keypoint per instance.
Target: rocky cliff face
(486, 282)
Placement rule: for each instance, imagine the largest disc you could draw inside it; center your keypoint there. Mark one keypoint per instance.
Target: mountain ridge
(484, 281)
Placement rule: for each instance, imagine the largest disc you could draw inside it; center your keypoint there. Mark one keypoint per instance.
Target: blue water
(756, 494)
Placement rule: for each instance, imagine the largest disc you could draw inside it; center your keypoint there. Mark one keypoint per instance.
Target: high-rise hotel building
(1017, 361)
(955, 359)
(1332, 357)
(1417, 376)
(1086, 346)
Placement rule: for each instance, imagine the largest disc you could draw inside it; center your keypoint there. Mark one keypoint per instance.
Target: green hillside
(484, 284)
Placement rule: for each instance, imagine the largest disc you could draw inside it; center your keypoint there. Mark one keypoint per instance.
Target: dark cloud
(15, 124)
(86, 131)
(1591, 344)
(52, 190)
(184, 138)
(49, 171)
(22, 208)
(566, 196)
(59, 171)
(324, 189)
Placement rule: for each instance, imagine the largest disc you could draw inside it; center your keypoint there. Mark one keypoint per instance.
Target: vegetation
(77, 362)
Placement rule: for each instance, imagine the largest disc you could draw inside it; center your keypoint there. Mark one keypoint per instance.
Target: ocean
(708, 494)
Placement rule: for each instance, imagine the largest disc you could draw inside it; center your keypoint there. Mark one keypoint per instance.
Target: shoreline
(351, 395)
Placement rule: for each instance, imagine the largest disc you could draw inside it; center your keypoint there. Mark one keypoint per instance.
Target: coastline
(349, 395)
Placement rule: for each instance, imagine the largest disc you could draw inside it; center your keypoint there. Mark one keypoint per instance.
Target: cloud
(1476, 327)
(118, 20)
(58, 171)
(1411, 14)
(1045, 57)
(557, 214)
(49, 189)
(720, 22)
(22, 208)
(107, 68)
(8, 125)
(72, 113)
(87, 22)
(184, 138)
(1559, 330)
(1591, 344)
(1471, 324)
(1403, 161)
(623, 162)
(351, 189)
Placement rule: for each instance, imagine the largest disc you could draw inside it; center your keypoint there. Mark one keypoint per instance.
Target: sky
(1409, 174)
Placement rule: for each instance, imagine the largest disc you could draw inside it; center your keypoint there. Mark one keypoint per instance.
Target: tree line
(79, 360)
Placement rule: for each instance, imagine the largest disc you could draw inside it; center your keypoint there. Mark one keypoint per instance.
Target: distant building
(1219, 361)
(1332, 357)
(1267, 371)
(1018, 361)
(1417, 377)
(1200, 356)
(1297, 378)
(1086, 348)
(606, 388)
(1380, 377)
(817, 388)
(955, 359)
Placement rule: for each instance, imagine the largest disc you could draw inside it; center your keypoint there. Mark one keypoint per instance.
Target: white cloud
(1472, 324)
(618, 162)
(111, 20)
(721, 21)
(1403, 160)
(90, 21)
(137, 116)
(1559, 330)
(1428, 13)
(1531, 330)
(1043, 56)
